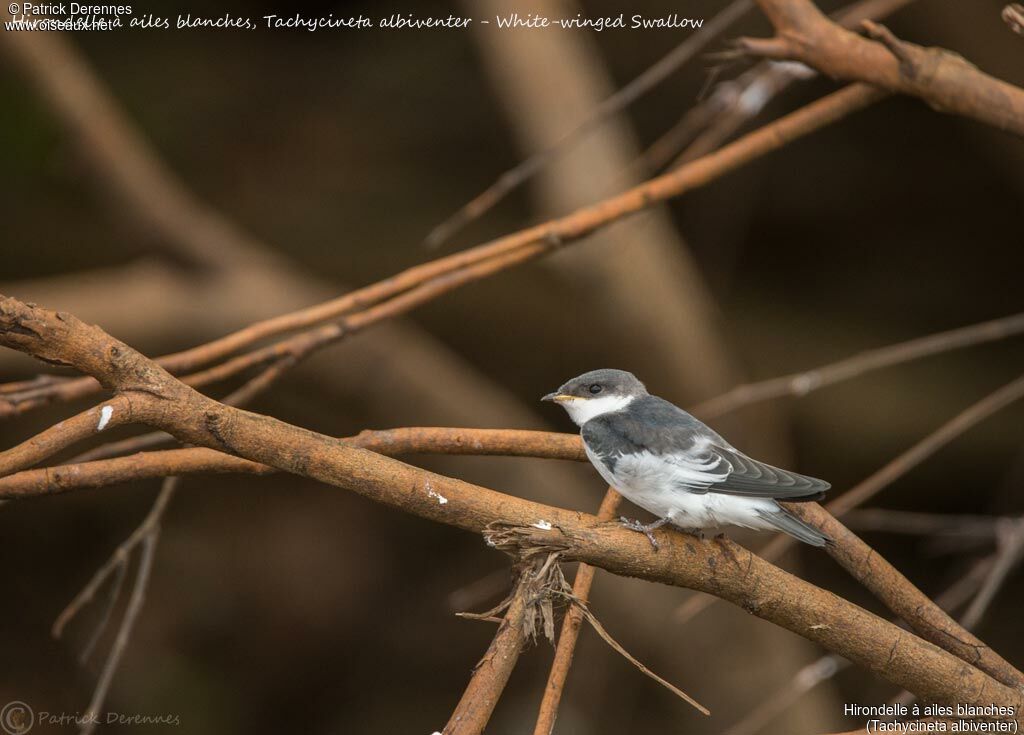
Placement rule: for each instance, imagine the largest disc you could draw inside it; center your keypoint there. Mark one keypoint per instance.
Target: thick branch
(905, 600)
(491, 673)
(943, 79)
(720, 568)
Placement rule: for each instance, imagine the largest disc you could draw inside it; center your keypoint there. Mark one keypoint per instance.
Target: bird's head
(597, 392)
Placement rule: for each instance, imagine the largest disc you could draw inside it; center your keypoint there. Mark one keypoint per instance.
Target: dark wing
(705, 461)
(751, 478)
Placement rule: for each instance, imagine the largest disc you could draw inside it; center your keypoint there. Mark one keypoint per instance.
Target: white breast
(658, 485)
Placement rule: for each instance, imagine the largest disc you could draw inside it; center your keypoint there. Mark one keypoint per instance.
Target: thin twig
(120, 572)
(785, 697)
(993, 572)
(807, 381)
(144, 537)
(135, 601)
(596, 624)
(948, 525)
(1009, 553)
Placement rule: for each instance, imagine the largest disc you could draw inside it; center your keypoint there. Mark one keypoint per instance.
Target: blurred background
(277, 603)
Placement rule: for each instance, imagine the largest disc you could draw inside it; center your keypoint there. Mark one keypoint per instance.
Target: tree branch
(720, 568)
(198, 460)
(491, 673)
(903, 598)
(941, 78)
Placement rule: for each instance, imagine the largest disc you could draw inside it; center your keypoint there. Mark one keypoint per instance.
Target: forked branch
(943, 79)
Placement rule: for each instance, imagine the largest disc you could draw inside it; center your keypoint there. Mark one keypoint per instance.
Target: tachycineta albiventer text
(671, 464)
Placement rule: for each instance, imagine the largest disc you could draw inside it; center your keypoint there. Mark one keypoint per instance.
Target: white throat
(581, 410)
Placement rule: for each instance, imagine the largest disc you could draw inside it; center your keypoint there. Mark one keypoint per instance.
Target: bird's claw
(645, 528)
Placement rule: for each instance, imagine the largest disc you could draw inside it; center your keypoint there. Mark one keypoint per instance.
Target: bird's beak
(556, 397)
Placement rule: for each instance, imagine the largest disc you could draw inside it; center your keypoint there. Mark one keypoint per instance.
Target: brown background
(278, 604)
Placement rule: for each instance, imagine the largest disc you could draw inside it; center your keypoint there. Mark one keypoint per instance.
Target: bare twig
(807, 381)
(785, 697)
(1010, 551)
(571, 630)
(946, 525)
(512, 179)
(144, 537)
(596, 624)
(241, 396)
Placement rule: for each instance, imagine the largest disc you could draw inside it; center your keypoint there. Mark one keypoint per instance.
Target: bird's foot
(644, 528)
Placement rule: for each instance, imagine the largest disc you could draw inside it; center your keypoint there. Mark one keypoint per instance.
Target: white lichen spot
(105, 413)
(542, 525)
(431, 493)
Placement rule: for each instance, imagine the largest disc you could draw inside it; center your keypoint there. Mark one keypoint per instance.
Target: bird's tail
(786, 522)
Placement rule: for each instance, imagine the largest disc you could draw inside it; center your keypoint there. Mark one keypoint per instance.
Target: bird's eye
(595, 389)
